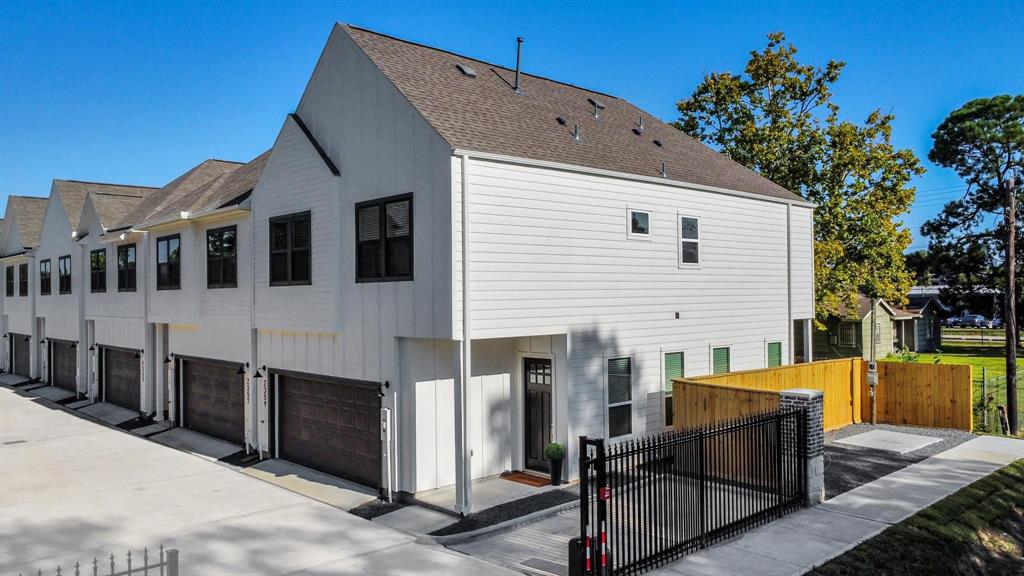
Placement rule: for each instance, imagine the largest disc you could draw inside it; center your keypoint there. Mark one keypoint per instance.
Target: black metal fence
(647, 501)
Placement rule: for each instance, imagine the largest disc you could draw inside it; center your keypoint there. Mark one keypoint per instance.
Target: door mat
(528, 479)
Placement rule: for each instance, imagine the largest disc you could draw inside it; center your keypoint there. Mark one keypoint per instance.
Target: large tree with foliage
(984, 142)
(778, 118)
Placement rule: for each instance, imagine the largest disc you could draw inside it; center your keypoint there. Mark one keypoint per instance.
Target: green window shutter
(673, 369)
(620, 381)
(720, 360)
(774, 354)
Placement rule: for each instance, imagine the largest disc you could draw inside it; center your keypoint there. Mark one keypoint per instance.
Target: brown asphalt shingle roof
(72, 195)
(28, 212)
(483, 114)
(177, 189)
(218, 191)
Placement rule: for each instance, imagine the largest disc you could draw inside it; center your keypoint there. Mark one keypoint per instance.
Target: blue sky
(140, 92)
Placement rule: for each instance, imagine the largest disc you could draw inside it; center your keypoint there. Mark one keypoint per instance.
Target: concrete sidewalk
(801, 541)
(72, 489)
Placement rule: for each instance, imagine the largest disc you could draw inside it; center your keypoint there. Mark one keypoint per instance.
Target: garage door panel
(64, 364)
(214, 399)
(122, 378)
(330, 426)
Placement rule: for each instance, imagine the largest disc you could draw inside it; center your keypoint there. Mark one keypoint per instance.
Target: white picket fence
(166, 564)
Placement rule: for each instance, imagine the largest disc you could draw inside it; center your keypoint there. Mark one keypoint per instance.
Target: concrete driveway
(72, 489)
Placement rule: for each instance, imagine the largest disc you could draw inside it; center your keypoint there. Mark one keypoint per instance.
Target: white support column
(809, 340)
(463, 369)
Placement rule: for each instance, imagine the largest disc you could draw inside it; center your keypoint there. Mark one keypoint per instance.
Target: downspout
(789, 282)
(463, 462)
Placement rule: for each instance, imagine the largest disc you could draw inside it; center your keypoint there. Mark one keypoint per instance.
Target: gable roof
(864, 308)
(216, 192)
(919, 302)
(482, 113)
(28, 213)
(72, 194)
(177, 189)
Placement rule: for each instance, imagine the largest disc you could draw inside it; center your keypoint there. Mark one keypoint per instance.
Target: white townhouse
(470, 262)
(62, 282)
(199, 260)
(19, 238)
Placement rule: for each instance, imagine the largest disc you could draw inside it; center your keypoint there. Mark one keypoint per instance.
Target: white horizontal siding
(802, 233)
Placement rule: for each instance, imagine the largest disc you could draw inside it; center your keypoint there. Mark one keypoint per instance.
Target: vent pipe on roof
(576, 132)
(519, 56)
(664, 174)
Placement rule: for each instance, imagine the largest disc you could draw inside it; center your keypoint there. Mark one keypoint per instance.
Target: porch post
(463, 371)
(808, 340)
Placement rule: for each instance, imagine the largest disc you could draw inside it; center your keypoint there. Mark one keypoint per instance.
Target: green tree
(778, 118)
(984, 142)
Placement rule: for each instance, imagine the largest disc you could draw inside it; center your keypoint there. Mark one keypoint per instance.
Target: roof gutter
(27, 254)
(626, 176)
(186, 216)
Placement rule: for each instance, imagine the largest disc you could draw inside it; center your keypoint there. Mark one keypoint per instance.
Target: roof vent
(657, 143)
(466, 70)
(598, 106)
(576, 135)
(639, 128)
(562, 121)
(664, 174)
(519, 57)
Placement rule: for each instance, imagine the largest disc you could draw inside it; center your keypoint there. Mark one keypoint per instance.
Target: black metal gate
(648, 501)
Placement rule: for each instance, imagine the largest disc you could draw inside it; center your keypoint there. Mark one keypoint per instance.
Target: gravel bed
(847, 467)
(510, 510)
(375, 508)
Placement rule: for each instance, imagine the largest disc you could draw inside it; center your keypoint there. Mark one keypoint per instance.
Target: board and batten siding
(61, 311)
(550, 253)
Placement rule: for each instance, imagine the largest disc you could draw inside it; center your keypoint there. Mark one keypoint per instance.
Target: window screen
(720, 360)
(774, 354)
(620, 397)
(673, 370)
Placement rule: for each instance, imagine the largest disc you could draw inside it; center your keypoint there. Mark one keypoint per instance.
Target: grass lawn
(992, 358)
(976, 531)
(987, 332)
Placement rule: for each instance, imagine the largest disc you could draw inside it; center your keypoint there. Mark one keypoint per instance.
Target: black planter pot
(556, 472)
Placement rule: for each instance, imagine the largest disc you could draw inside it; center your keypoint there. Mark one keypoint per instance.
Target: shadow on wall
(588, 404)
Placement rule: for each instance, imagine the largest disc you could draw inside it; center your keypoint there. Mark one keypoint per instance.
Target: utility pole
(1010, 308)
(872, 365)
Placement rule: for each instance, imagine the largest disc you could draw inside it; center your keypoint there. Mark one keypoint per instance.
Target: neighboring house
(415, 202)
(19, 238)
(62, 271)
(929, 327)
(905, 326)
(849, 333)
(201, 300)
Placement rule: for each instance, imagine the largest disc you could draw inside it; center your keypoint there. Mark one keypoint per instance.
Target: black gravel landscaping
(847, 467)
(510, 510)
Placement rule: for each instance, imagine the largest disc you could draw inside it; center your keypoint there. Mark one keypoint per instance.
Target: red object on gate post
(604, 493)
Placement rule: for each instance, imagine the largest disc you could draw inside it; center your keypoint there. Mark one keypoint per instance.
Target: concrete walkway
(809, 538)
(72, 489)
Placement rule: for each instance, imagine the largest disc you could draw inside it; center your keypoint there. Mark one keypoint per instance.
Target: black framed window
(290, 252)
(64, 274)
(384, 246)
(168, 262)
(44, 277)
(126, 268)
(10, 281)
(98, 270)
(222, 257)
(23, 279)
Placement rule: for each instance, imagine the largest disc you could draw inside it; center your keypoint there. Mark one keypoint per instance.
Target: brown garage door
(331, 425)
(121, 378)
(20, 355)
(214, 399)
(62, 356)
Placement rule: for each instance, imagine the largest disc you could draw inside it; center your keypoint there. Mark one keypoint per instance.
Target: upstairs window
(689, 241)
(126, 268)
(720, 360)
(45, 288)
(620, 397)
(64, 274)
(290, 258)
(222, 258)
(23, 279)
(10, 281)
(384, 246)
(98, 270)
(168, 262)
(774, 354)
(639, 224)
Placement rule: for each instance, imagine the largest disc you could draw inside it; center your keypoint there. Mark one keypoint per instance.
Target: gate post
(812, 402)
(579, 551)
(603, 494)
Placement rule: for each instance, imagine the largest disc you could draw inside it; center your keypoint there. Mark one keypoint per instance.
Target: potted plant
(555, 453)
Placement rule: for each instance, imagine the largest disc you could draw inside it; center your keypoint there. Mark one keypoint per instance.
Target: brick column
(813, 401)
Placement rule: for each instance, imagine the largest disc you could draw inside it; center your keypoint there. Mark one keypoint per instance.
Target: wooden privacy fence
(932, 395)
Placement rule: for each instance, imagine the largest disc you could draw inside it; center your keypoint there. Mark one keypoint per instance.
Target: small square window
(639, 224)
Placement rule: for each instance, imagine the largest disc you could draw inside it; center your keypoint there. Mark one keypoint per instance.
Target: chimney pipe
(519, 55)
